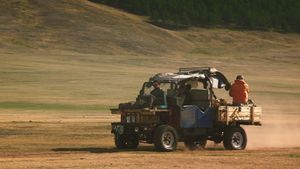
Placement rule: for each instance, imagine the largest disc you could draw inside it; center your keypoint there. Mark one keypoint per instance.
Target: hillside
(80, 26)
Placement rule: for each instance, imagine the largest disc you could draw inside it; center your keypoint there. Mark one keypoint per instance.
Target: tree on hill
(281, 15)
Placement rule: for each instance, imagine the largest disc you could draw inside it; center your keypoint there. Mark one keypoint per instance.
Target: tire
(165, 138)
(235, 138)
(195, 145)
(126, 141)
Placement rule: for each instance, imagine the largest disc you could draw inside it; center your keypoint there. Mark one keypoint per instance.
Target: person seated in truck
(184, 91)
(239, 91)
(187, 93)
(157, 95)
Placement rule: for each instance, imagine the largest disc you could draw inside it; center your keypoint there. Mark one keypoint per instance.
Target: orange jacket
(239, 91)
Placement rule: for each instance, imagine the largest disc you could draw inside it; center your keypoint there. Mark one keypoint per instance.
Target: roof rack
(197, 69)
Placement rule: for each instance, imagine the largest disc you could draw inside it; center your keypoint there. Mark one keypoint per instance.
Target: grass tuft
(294, 155)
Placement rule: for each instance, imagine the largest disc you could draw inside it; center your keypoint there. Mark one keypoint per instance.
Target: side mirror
(221, 84)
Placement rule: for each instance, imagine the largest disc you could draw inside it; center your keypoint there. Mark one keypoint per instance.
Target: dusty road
(83, 140)
(147, 158)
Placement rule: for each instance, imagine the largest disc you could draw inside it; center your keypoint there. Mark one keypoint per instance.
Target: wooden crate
(256, 113)
(240, 114)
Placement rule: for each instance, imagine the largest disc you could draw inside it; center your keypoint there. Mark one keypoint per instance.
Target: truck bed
(248, 115)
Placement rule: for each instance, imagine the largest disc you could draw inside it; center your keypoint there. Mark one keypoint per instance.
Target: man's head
(156, 84)
(239, 77)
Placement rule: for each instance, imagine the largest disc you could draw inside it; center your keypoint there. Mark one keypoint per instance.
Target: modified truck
(190, 112)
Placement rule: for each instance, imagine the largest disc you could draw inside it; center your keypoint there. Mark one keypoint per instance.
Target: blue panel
(189, 116)
(193, 117)
(206, 120)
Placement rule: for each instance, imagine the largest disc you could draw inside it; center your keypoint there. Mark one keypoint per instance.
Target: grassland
(63, 64)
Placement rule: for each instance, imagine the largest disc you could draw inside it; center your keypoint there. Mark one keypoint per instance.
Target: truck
(190, 112)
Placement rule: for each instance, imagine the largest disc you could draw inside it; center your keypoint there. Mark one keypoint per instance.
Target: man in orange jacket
(239, 91)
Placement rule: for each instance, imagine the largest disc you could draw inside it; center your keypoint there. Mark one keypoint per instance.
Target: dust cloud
(278, 130)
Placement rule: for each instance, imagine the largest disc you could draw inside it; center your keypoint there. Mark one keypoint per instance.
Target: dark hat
(239, 77)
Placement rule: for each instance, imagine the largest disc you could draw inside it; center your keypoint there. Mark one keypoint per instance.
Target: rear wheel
(165, 138)
(126, 141)
(195, 145)
(235, 138)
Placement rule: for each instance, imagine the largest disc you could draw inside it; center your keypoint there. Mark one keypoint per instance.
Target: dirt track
(62, 140)
(108, 158)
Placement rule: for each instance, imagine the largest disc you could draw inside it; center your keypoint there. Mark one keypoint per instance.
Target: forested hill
(278, 15)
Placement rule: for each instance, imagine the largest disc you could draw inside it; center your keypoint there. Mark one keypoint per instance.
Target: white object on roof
(189, 76)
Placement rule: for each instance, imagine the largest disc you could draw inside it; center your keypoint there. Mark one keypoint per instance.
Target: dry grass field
(63, 64)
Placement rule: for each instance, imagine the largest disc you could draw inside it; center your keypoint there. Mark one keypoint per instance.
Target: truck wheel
(165, 138)
(195, 145)
(126, 141)
(235, 138)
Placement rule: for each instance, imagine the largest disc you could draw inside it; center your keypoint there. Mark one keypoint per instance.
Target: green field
(64, 64)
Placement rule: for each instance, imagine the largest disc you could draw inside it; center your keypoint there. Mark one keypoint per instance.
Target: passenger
(239, 91)
(187, 93)
(184, 92)
(181, 90)
(157, 95)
